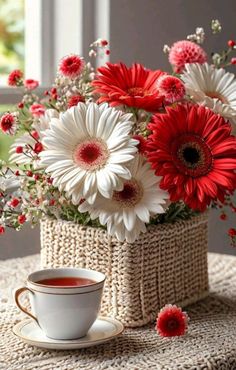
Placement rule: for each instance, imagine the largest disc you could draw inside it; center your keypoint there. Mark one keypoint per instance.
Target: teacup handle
(18, 292)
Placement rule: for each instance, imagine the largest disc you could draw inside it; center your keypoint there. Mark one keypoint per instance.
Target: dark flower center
(191, 155)
(172, 324)
(130, 195)
(69, 62)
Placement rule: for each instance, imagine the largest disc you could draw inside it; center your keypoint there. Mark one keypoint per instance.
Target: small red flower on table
(172, 321)
(134, 87)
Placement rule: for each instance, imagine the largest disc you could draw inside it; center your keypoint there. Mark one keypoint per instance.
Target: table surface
(209, 344)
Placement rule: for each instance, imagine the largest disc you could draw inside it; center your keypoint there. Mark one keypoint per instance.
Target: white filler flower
(27, 142)
(88, 149)
(129, 209)
(214, 88)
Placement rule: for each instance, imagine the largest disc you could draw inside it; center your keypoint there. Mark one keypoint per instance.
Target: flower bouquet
(120, 164)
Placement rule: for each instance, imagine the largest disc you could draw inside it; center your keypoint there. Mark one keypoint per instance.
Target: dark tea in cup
(66, 281)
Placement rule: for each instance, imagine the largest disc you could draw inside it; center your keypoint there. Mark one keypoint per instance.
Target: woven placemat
(209, 344)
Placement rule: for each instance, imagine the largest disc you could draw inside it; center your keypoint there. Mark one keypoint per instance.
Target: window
(46, 30)
(12, 37)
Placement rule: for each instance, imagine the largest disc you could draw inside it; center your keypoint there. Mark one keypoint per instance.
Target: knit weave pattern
(168, 264)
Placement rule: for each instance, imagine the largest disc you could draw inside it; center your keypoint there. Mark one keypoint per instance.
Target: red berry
(17, 173)
(38, 148)
(52, 202)
(36, 176)
(19, 149)
(104, 42)
(35, 135)
(14, 202)
(21, 219)
(29, 173)
(232, 232)
(233, 61)
(21, 105)
(53, 90)
(231, 43)
(223, 216)
(50, 181)
(2, 229)
(107, 52)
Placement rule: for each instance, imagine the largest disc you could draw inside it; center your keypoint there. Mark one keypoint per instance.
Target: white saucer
(103, 330)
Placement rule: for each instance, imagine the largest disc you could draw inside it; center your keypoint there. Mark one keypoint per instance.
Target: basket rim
(201, 218)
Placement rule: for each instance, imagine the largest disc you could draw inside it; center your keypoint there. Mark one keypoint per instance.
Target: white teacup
(63, 312)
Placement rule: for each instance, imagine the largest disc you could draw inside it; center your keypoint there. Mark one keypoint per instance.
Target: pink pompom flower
(37, 110)
(71, 66)
(172, 321)
(15, 78)
(31, 84)
(8, 123)
(183, 52)
(172, 88)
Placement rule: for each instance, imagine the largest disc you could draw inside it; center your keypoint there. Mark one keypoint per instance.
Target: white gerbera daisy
(27, 142)
(214, 88)
(129, 209)
(42, 123)
(87, 150)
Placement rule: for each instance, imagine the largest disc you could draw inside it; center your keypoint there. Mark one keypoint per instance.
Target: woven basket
(168, 264)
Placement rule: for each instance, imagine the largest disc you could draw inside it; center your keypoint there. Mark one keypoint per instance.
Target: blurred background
(34, 35)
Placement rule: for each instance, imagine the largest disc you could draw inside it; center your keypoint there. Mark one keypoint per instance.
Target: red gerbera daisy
(171, 321)
(194, 151)
(134, 86)
(71, 66)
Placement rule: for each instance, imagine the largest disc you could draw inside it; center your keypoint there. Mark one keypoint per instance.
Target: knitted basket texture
(168, 264)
